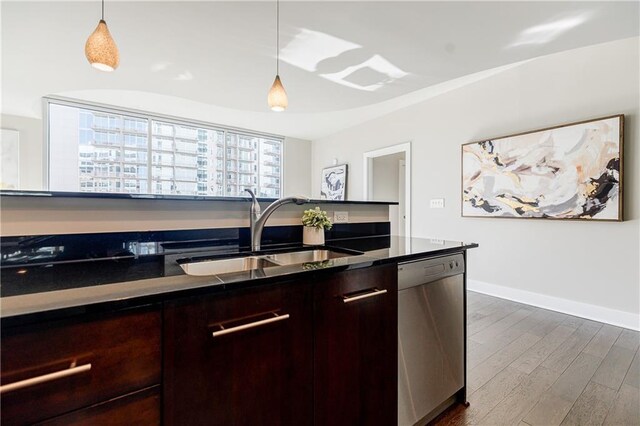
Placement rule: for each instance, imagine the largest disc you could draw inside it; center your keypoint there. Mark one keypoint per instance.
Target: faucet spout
(258, 218)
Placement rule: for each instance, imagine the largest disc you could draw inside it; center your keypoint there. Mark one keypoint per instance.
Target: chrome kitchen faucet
(257, 219)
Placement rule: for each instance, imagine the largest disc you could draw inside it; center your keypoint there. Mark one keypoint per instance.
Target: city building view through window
(97, 150)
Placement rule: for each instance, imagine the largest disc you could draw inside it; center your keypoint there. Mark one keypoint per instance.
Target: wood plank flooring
(529, 366)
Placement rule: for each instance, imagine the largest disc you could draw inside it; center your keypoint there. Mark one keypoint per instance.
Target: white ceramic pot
(312, 236)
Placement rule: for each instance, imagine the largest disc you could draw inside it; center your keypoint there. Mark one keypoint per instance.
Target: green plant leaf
(316, 218)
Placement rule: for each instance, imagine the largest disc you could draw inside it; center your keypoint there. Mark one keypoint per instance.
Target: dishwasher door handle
(430, 271)
(360, 296)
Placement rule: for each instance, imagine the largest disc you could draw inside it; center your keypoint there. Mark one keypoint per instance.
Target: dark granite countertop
(120, 196)
(37, 291)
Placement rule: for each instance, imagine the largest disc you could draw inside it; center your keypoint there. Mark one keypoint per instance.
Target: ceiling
(335, 56)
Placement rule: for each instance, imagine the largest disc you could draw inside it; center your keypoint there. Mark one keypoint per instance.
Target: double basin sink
(315, 257)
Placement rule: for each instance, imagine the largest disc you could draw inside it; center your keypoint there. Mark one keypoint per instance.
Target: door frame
(368, 178)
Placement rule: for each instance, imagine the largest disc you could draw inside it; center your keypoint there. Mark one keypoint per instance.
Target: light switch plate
(437, 203)
(340, 217)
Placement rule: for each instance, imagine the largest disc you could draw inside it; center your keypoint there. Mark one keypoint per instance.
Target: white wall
(297, 167)
(592, 263)
(30, 130)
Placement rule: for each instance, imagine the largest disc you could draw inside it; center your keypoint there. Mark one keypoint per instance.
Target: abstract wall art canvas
(334, 183)
(572, 171)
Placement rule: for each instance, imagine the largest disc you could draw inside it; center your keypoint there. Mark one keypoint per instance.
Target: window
(97, 149)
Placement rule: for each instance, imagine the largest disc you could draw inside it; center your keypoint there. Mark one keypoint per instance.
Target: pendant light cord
(103, 10)
(277, 37)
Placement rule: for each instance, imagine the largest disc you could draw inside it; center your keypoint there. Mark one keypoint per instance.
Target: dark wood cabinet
(236, 359)
(240, 359)
(54, 368)
(141, 408)
(314, 351)
(355, 358)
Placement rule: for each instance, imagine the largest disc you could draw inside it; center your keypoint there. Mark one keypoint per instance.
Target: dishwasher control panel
(423, 271)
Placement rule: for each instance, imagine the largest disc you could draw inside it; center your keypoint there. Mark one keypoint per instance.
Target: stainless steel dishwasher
(431, 365)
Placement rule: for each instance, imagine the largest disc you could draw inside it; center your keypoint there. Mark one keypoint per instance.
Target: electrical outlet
(437, 203)
(436, 241)
(340, 217)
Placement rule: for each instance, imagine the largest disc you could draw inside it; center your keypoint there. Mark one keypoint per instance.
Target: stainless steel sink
(298, 257)
(225, 266)
(312, 259)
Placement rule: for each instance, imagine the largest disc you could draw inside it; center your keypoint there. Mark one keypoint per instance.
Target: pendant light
(277, 95)
(100, 49)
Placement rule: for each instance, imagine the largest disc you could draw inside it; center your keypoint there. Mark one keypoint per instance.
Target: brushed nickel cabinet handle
(275, 318)
(375, 292)
(44, 378)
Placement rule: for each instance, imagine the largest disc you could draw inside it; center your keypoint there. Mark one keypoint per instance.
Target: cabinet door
(355, 359)
(240, 359)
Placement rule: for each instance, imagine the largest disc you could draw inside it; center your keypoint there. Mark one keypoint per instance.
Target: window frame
(151, 117)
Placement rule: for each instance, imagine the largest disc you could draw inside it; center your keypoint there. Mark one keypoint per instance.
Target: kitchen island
(309, 343)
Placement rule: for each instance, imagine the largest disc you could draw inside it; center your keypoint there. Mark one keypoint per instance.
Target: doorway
(387, 177)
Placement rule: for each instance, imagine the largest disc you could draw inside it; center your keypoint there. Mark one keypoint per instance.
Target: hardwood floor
(530, 366)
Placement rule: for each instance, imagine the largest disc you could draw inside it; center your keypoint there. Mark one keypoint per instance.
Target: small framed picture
(334, 183)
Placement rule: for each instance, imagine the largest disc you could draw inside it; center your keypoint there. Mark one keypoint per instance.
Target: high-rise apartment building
(98, 150)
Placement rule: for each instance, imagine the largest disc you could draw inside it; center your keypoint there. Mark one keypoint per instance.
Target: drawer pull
(375, 292)
(275, 318)
(45, 378)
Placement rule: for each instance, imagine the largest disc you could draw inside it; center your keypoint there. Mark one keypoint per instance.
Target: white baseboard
(566, 306)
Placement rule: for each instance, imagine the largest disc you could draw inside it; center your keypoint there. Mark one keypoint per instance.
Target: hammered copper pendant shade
(277, 96)
(101, 49)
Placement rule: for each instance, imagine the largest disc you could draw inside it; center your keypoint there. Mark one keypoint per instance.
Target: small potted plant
(315, 221)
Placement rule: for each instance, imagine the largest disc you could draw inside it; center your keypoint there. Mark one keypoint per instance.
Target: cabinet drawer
(140, 408)
(66, 365)
(360, 286)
